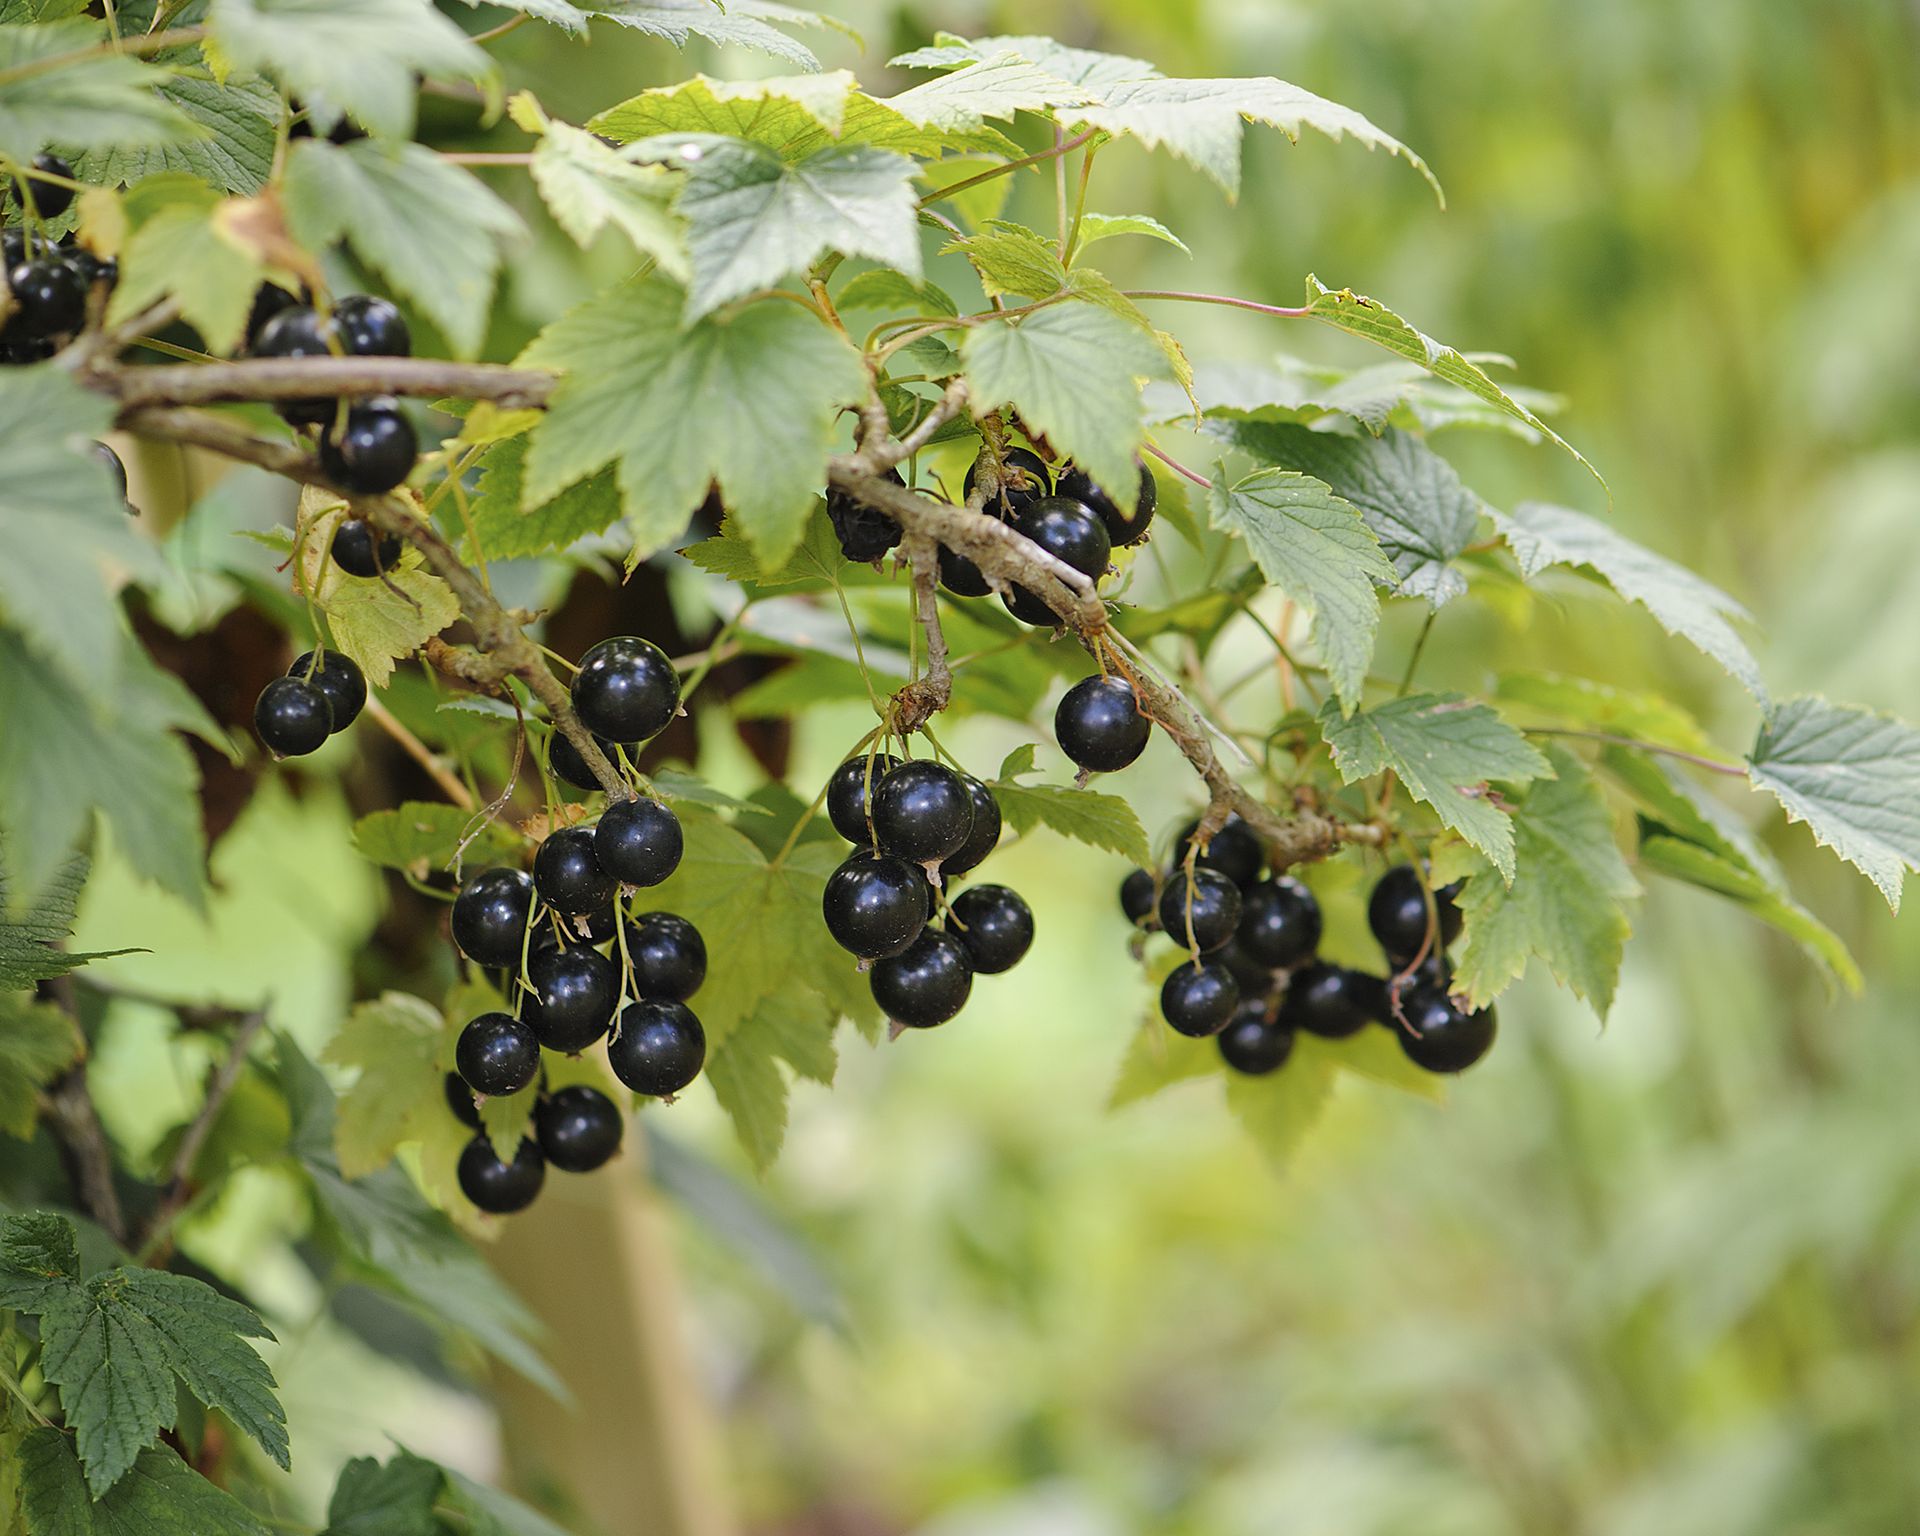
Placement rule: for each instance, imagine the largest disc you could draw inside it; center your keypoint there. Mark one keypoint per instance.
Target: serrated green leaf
(160, 1496)
(771, 112)
(1158, 1057)
(1616, 711)
(995, 87)
(677, 784)
(373, 619)
(587, 186)
(1447, 751)
(748, 399)
(502, 531)
(392, 1500)
(181, 252)
(1082, 66)
(395, 1043)
(420, 836)
(37, 1043)
(1104, 226)
(1011, 259)
(746, 1075)
(1316, 548)
(1278, 1110)
(1375, 1054)
(240, 117)
(1085, 815)
(93, 100)
(883, 288)
(34, 926)
(739, 24)
(490, 1512)
(816, 559)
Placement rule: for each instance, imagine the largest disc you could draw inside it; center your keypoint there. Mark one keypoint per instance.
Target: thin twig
(271, 378)
(180, 1172)
(1711, 765)
(421, 753)
(926, 696)
(1051, 153)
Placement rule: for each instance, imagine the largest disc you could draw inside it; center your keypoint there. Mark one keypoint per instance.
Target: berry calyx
(49, 298)
(1250, 1044)
(1329, 1001)
(667, 955)
(1198, 1000)
(985, 834)
(496, 1055)
(865, 533)
(371, 327)
(996, 927)
(922, 812)
(339, 677)
(926, 984)
(1397, 914)
(1138, 896)
(626, 690)
(501, 1188)
(1024, 479)
(638, 842)
(49, 199)
(373, 451)
(849, 794)
(567, 873)
(1235, 851)
(1279, 922)
(572, 998)
(360, 550)
(875, 905)
(460, 1101)
(1438, 1036)
(564, 758)
(1201, 913)
(1099, 725)
(1123, 530)
(292, 717)
(578, 1128)
(1068, 531)
(490, 917)
(659, 1047)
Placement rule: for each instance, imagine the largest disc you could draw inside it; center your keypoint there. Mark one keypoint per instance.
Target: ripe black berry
(1235, 851)
(578, 1128)
(373, 451)
(572, 999)
(961, 576)
(94, 269)
(567, 873)
(339, 677)
(501, 1188)
(49, 199)
(292, 717)
(361, 551)
(848, 797)
(1068, 531)
(876, 905)
(626, 690)
(297, 332)
(570, 767)
(998, 927)
(1099, 725)
(490, 917)
(1438, 1036)
(1202, 912)
(668, 956)
(1397, 913)
(1198, 1000)
(659, 1047)
(1123, 530)
(922, 812)
(1256, 980)
(1138, 896)
(926, 983)
(269, 300)
(371, 327)
(497, 1054)
(865, 533)
(1279, 922)
(1250, 1044)
(638, 842)
(1024, 480)
(460, 1101)
(1329, 1001)
(985, 834)
(49, 297)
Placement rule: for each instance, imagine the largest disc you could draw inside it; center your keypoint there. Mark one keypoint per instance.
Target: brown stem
(925, 697)
(68, 1113)
(273, 378)
(180, 1173)
(421, 753)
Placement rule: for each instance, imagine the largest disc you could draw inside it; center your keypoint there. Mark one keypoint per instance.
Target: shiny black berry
(1138, 896)
(668, 956)
(360, 550)
(996, 926)
(1250, 1044)
(269, 300)
(570, 767)
(1330, 1001)
(865, 533)
(371, 327)
(1024, 480)
(297, 332)
(1256, 980)
(292, 717)
(922, 812)
(1436, 1035)
(501, 1188)
(49, 297)
(339, 677)
(848, 794)
(49, 199)
(94, 269)
(626, 690)
(1201, 912)
(572, 999)
(638, 842)
(578, 1128)
(567, 873)
(373, 451)
(876, 905)
(1099, 725)
(926, 983)
(490, 917)
(961, 576)
(1397, 913)
(497, 1055)
(1123, 530)
(1279, 922)
(985, 834)
(1068, 531)
(1235, 851)
(460, 1101)
(659, 1047)
(1198, 1000)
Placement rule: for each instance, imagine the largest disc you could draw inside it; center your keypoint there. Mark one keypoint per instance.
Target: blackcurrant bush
(373, 451)
(490, 917)
(626, 690)
(497, 1055)
(371, 327)
(49, 297)
(638, 842)
(1024, 480)
(1235, 851)
(1138, 896)
(570, 767)
(1099, 724)
(961, 576)
(848, 794)
(926, 983)
(460, 1101)
(985, 835)
(572, 999)
(361, 550)
(1328, 1001)
(578, 1128)
(1123, 530)
(865, 533)
(668, 957)
(49, 199)
(1203, 911)
(1067, 531)
(997, 927)
(1279, 922)
(1397, 913)
(659, 1047)
(567, 873)
(292, 717)
(497, 1187)
(339, 677)
(1438, 1036)
(297, 332)
(876, 905)
(1250, 1044)
(1198, 1000)
(922, 812)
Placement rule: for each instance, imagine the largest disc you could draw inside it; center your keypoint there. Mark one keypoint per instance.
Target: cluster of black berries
(323, 692)
(47, 284)
(1258, 979)
(916, 825)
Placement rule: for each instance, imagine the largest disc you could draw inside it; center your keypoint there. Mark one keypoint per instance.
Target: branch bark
(303, 378)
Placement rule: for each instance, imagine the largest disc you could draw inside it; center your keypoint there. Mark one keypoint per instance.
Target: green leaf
(1085, 815)
(995, 87)
(490, 1512)
(1281, 1108)
(739, 24)
(1685, 604)
(746, 1075)
(355, 56)
(560, 13)
(1104, 226)
(1314, 546)
(430, 227)
(37, 1043)
(883, 288)
(34, 927)
(1615, 711)
(93, 101)
(748, 399)
(392, 1500)
(1073, 372)
(1158, 1057)
(1012, 259)
(1565, 902)
(587, 186)
(181, 252)
(677, 784)
(420, 836)
(395, 1043)
(160, 1496)
(1853, 777)
(1447, 751)
(240, 117)
(373, 619)
(771, 112)
(502, 531)
(1083, 66)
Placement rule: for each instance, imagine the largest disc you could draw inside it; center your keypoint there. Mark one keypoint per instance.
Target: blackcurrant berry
(1397, 914)
(490, 917)
(572, 999)
(497, 1187)
(94, 269)
(1438, 1036)
(113, 466)
(1099, 724)
(292, 717)
(961, 576)
(578, 1127)
(659, 1047)
(1279, 922)
(1203, 911)
(926, 983)
(567, 873)
(297, 332)
(848, 794)
(49, 199)
(668, 957)
(922, 812)
(339, 677)
(460, 1101)
(985, 835)
(360, 550)
(1250, 1044)
(497, 1055)
(371, 327)
(1138, 896)
(1123, 530)
(1235, 851)
(865, 533)
(1198, 1000)
(1068, 531)
(269, 300)
(1024, 480)
(1328, 1001)
(373, 451)
(997, 927)
(570, 767)
(626, 690)
(49, 297)
(1256, 980)
(876, 905)
(638, 842)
